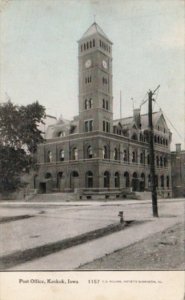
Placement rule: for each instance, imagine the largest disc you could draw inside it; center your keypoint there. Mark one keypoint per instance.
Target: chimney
(137, 117)
(178, 147)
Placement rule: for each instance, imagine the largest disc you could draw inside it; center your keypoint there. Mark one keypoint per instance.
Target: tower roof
(95, 29)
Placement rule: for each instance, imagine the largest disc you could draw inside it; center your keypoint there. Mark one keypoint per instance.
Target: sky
(39, 54)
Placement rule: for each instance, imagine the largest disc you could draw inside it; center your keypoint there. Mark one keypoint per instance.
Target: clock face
(88, 63)
(104, 63)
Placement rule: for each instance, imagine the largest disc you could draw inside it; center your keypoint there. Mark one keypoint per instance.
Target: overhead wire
(169, 120)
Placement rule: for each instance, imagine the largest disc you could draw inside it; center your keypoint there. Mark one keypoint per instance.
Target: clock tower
(95, 81)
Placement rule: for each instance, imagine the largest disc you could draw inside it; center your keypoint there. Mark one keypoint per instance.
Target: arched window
(158, 139)
(141, 158)
(155, 139)
(161, 161)
(117, 180)
(89, 179)
(87, 45)
(74, 154)
(93, 43)
(115, 154)
(89, 152)
(106, 179)
(133, 156)
(103, 103)
(107, 105)
(134, 182)
(50, 156)
(90, 44)
(90, 103)
(84, 46)
(105, 152)
(61, 155)
(86, 104)
(125, 157)
(162, 180)
(148, 159)
(127, 180)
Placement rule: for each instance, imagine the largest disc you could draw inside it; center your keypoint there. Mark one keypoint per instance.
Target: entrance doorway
(42, 187)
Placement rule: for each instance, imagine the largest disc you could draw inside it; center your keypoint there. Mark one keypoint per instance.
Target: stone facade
(93, 152)
(178, 171)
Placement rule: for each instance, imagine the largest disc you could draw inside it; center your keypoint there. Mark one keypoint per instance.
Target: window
(115, 154)
(106, 126)
(157, 161)
(88, 79)
(105, 152)
(133, 157)
(74, 154)
(86, 104)
(104, 80)
(167, 181)
(127, 180)
(90, 103)
(116, 180)
(88, 125)
(91, 125)
(148, 159)
(107, 105)
(162, 181)
(161, 161)
(90, 44)
(89, 179)
(103, 103)
(89, 152)
(62, 155)
(106, 179)
(50, 156)
(93, 43)
(134, 136)
(125, 158)
(141, 158)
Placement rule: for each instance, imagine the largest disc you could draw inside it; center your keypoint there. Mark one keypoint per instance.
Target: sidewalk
(72, 258)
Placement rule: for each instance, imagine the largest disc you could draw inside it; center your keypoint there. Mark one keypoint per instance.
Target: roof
(144, 119)
(95, 29)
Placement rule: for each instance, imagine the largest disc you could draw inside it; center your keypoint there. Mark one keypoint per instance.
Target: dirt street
(161, 251)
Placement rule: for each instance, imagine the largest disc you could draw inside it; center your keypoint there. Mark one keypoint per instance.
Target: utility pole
(152, 156)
